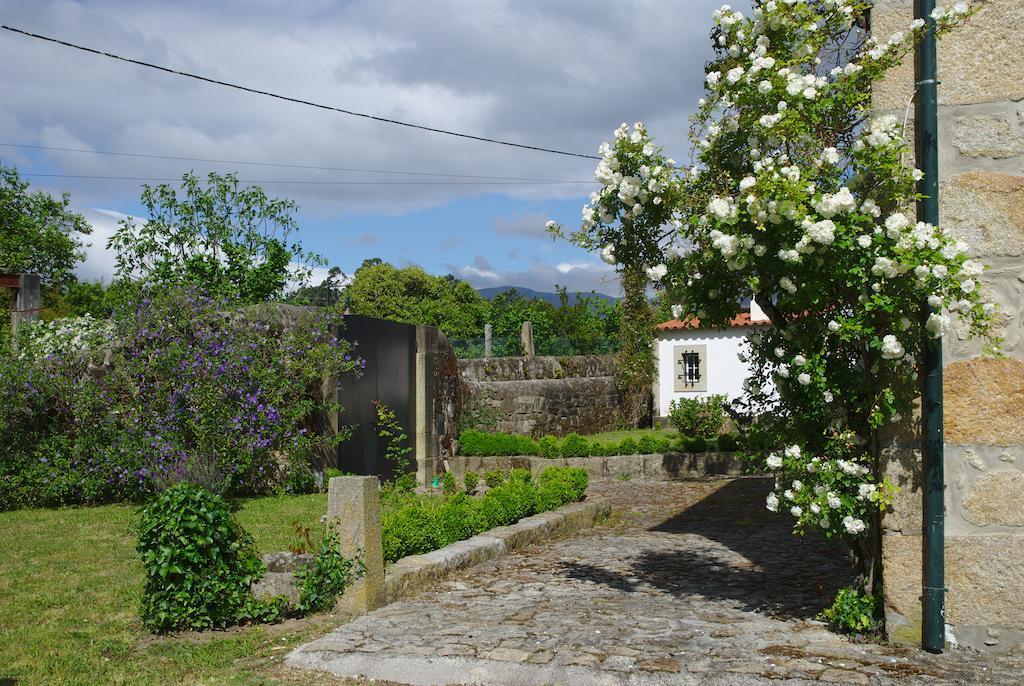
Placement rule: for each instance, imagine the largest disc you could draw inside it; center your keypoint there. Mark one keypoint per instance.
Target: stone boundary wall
(655, 467)
(536, 396)
(981, 201)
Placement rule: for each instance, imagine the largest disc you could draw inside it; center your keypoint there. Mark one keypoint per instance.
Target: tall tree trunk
(636, 360)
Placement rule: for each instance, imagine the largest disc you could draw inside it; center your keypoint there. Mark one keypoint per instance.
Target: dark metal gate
(389, 349)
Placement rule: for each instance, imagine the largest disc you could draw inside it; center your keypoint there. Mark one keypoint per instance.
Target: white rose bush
(801, 198)
(65, 337)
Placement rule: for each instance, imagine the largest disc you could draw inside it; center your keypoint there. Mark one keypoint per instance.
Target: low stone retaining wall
(655, 467)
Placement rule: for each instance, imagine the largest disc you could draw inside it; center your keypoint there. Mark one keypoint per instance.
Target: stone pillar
(981, 201)
(526, 336)
(488, 340)
(26, 304)
(437, 400)
(353, 511)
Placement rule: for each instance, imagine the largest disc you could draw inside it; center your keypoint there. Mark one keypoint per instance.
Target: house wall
(725, 372)
(981, 201)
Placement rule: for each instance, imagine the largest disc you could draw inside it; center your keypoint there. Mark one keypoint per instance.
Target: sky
(551, 73)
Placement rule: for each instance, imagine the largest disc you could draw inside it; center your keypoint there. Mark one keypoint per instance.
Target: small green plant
(396, 441)
(647, 445)
(448, 484)
(303, 541)
(325, 578)
(701, 417)
(575, 445)
(494, 478)
(728, 443)
(471, 480)
(628, 447)
(852, 612)
(478, 443)
(298, 477)
(199, 563)
(549, 447)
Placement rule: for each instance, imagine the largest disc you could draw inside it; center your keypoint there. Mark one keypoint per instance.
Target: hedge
(430, 522)
(473, 443)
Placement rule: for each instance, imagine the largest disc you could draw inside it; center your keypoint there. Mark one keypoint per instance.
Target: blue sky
(553, 74)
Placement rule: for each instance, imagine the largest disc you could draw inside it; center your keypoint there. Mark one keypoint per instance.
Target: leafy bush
(521, 475)
(477, 443)
(694, 444)
(199, 564)
(560, 485)
(852, 612)
(396, 441)
(456, 519)
(575, 445)
(647, 445)
(628, 447)
(728, 443)
(472, 480)
(298, 477)
(548, 446)
(325, 578)
(494, 478)
(701, 417)
(407, 531)
(448, 484)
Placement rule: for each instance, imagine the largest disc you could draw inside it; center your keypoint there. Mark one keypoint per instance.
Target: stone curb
(410, 574)
(654, 467)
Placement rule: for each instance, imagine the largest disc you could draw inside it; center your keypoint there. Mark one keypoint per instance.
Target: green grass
(70, 583)
(635, 434)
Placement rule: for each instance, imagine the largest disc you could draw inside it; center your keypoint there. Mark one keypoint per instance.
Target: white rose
(772, 502)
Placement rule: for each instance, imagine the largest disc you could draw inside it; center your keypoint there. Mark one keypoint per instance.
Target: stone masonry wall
(981, 139)
(543, 395)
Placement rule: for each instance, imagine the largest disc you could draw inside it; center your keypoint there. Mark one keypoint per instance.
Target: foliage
(574, 445)
(471, 480)
(853, 611)
(326, 577)
(797, 198)
(298, 476)
(396, 452)
(728, 443)
(199, 564)
(195, 391)
(223, 240)
(494, 478)
(411, 295)
(698, 416)
(474, 443)
(448, 484)
(477, 414)
(40, 235)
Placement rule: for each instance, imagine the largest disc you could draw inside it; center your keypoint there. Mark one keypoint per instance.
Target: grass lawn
(70, 583)
(635, 434)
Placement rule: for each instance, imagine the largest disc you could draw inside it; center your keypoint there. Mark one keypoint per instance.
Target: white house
(695, 361)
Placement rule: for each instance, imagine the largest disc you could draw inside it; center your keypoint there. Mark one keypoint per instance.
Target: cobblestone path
(689, 583)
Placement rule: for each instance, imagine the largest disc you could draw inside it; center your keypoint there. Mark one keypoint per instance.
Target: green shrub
(509, 503)
(520, 475)
(494, 478)
(472, 481)
(663, 445)
(199, 564)
(575, 445)
(628, 447)
(325, 578)
(448, 484)
(560, 485)
(475, 443)
(647, 445)
(696, 444)
(298, 477)
(548, 447)
(701, 417)
(456, 519)
(728, 443)
(407, 531)
(852, 612)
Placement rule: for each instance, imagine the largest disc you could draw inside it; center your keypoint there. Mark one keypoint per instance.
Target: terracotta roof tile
(742, 319)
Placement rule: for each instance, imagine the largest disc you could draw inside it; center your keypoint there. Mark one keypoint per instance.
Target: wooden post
(26, 304)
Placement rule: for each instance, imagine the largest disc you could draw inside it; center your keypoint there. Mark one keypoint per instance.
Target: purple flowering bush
(192, 390)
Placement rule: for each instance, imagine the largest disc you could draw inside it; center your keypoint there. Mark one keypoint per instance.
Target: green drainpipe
(933, 626)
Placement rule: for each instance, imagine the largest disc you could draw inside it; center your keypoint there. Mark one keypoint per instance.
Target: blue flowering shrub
(190, 389)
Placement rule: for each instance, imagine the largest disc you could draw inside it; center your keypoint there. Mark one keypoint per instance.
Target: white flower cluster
(66, 337)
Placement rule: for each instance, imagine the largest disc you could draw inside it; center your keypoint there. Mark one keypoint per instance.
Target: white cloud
(99, 261)
(540, 276)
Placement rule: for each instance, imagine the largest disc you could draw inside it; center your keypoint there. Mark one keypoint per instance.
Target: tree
(226, 240)
(798, 197)
(38, 232)
(411, 295)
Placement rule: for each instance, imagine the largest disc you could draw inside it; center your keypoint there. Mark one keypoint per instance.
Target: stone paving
(689, 583)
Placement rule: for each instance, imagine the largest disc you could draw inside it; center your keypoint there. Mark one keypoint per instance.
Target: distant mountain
(529, 293)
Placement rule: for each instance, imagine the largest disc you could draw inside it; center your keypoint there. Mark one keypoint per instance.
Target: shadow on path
(728, 547)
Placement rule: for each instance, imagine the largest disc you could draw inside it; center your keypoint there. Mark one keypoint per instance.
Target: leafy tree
(38, 232)
(224, 239)
(411, 295)
(798, 198)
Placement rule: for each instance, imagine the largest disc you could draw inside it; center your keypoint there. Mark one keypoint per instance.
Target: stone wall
(981, 139)
(543, 395)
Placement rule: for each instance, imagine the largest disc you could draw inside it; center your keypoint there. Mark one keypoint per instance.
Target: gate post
(488, 340)
(526, 335)
(353, 512)
(26, 304)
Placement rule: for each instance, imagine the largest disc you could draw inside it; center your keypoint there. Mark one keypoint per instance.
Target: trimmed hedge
(473, 443)
(428, 523)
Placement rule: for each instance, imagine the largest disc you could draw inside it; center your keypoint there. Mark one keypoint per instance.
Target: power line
(281, 164)
(313, 182)
(299, 101)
